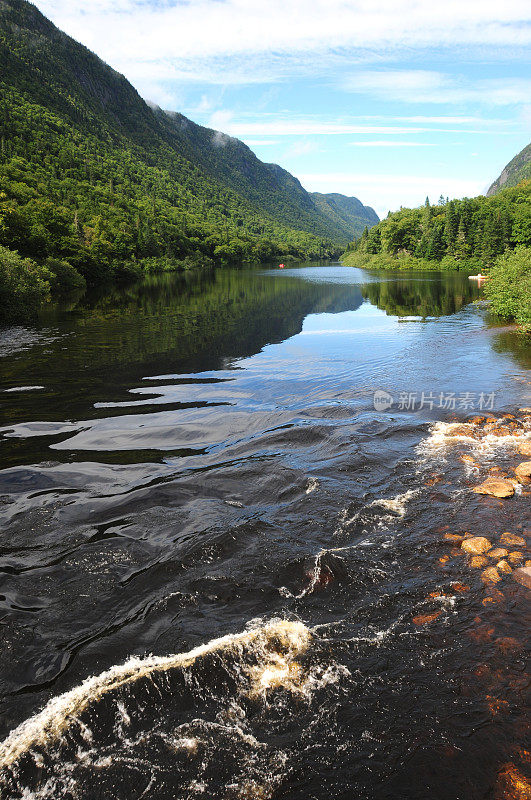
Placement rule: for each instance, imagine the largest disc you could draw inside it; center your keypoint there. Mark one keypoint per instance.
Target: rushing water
(224, 572)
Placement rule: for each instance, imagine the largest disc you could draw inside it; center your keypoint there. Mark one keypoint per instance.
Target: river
(226, 555)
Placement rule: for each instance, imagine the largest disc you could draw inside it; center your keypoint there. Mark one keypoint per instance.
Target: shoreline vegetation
(489, 235)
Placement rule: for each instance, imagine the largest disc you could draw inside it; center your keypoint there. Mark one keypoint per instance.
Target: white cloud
(246, 41)
(424, 86)
(260, 142)
(284, 125)
(389, 192)
(392, 144)
(301, 148)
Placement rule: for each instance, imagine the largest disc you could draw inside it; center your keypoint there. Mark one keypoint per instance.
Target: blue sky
(387, 100)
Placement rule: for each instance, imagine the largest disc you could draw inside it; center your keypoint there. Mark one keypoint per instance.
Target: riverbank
(508, 288)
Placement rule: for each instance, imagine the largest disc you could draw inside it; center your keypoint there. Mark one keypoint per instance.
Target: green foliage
(64, 277)
(24, 286)
(509, 287)
(457, 234)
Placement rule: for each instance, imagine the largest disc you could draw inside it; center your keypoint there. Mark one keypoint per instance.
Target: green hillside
(517, 170)
(91, 176)
(346, 213)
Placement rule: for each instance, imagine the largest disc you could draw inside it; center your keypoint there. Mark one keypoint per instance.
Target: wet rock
(523, 576)
(461, 430)
(513, 539)
(454, 537)
(496, 487)
(479, 561)
(515, 557)
(523, 471)
(498, 552)
(460, 587)
(508, 645)
(524, 448)
(476, 545)
(423, 619)
(512, 784)
(490, 575)
(503, 567)
(527, 563)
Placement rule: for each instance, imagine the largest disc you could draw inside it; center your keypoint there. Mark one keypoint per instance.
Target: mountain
(519, 169)
(92, 175)
(347, 213)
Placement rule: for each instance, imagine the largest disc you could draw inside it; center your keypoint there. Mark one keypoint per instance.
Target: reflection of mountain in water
(436, 295)
(195, 321)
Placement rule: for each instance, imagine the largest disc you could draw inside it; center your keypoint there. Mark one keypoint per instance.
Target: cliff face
(519, 169)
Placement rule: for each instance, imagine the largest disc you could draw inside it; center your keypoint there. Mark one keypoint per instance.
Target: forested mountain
(517, 170)
(92, 175)
(347, 213)
(456, 233)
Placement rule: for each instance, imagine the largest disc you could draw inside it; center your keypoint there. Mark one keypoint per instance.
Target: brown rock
(460, 587)
(454, 537)
(528, 563)
(523, 576)
(512, 538)
(479, 561)
(422, 619)
(498, 552)
(512, 784)
(523, 471)
(461, 430)
(497, 487)
(477, 545)
(503, 566)
(524, 448)
(515, 557)
(490, 575)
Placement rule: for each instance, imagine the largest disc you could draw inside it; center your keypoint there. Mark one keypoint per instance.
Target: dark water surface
(195, 458)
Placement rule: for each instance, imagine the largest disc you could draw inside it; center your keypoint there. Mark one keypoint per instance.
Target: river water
(224, 571)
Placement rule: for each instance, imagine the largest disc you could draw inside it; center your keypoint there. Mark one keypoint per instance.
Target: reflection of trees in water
(514, 343)
(439, 295)
(197, 319)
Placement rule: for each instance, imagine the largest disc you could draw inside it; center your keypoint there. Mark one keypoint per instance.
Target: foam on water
(277, 643)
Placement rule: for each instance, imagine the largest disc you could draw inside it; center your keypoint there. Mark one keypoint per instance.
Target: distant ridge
(519, 169)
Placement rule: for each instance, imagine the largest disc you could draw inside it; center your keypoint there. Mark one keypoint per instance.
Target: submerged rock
(477, 545)
(490, 575)
(503, 566)
(512, 538)
(515, 557)
(496, 487)
(423, 619)
(523, 576)
(479, 561)
(498, 552)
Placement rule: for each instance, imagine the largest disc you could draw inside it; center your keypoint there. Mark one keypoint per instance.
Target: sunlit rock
(504, 567)
(498, 552)
(524, 448)
(490, 575)
(523, 471)
(523, 576)
(478, 561)
(512, 784)
(496, 487)
(477, 545)
(512, 539)
(515, 557)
